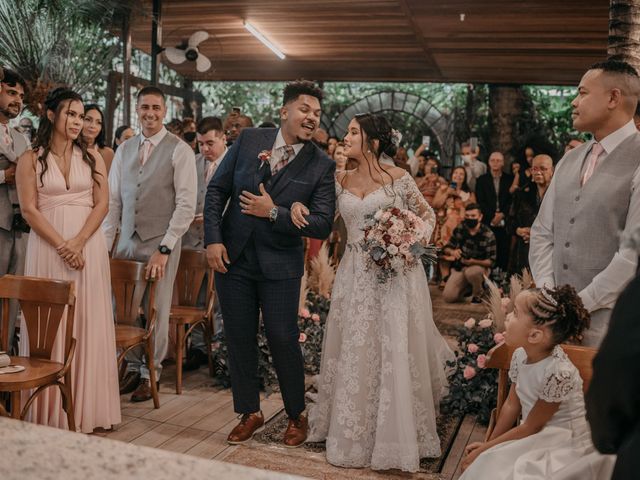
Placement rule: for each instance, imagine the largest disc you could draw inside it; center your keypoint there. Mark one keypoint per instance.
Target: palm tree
(59, 42)
(624, 31)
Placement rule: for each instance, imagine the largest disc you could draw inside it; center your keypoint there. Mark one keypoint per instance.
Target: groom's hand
(256, 205)
(217, 257)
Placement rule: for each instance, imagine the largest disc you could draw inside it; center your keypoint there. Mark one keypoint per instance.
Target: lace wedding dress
(383, 360)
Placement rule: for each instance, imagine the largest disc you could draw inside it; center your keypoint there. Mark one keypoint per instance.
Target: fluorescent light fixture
(264, 40)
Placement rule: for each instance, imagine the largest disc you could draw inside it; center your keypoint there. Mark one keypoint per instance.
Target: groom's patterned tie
(286, 155)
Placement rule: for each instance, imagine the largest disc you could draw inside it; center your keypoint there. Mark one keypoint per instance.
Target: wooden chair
(129, 285)
(186, 315)
(43, 303)
(500, 357)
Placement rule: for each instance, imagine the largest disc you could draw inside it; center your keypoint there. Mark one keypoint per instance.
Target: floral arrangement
(315, 294)
(393, 238)
(264, 156)
(473, 388)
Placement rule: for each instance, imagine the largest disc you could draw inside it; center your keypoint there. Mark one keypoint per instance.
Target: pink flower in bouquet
(470, 323)
(486, 323)
(481, 360)
(315, 317)
(378, 214)
(395, 229)
(385, 217)
(505, 302)
(303, 337)
(472, 347)
(469, 372)
(498, 338)
(304, 313)
(405, 249)
(395, 239)
(408, 238)
(392, 249)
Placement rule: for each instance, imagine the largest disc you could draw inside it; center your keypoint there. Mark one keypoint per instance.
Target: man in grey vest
(594, 197)
(212, 144)
(13, 228)
(152, 186)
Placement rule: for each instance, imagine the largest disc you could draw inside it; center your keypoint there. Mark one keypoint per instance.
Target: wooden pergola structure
(470, 41)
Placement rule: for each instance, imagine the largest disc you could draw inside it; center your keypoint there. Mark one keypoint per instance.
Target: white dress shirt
(185, 181)
(276, 152)
(605, 287)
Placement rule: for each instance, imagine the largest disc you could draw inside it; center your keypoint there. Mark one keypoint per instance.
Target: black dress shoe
(129, 382)
(195, 358)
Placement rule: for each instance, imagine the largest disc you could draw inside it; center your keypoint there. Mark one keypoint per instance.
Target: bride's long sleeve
(417, 204)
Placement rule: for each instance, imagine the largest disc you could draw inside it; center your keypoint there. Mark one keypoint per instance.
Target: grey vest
(148, 193)
(8, 194)
(587, 221)
(194, 238)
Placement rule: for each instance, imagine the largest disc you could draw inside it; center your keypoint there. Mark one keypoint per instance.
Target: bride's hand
(298, 211)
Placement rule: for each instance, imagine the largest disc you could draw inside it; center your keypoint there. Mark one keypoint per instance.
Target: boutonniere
(264, 156)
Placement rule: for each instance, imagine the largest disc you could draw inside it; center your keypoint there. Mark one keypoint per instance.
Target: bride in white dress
(383, 360)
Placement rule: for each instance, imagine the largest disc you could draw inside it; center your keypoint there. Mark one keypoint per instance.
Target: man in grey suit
(212, 144)
(13, 228)
(593, 197)
(152, 190)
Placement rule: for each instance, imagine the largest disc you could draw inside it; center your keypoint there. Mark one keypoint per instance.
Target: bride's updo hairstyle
(57, 100)
(377, 128)
(561, 310)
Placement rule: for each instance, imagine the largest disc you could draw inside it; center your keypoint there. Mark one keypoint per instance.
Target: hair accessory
(396, 137)
(546, 295)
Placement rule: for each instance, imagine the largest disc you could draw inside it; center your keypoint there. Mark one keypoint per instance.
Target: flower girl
(553, 440)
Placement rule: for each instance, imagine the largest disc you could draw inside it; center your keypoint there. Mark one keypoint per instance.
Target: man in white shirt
(474, 167)
(152, 190)
(593, 198)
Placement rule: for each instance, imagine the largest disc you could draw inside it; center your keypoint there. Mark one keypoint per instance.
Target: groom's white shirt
(605, 287)
(276, 153)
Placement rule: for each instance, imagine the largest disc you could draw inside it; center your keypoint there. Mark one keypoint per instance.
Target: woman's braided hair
(561, 309)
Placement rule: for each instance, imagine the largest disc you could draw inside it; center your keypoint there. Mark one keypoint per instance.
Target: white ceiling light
(264, 40)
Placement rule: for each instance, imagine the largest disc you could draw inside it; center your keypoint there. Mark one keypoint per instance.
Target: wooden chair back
(191, 272)
(500, 357)
(129, 285)
(43, 303)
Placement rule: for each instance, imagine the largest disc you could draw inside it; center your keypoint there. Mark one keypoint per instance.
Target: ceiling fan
(189, 52)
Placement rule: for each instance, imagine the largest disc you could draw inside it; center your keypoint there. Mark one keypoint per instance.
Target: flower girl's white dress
(563, 449)
(383, 359)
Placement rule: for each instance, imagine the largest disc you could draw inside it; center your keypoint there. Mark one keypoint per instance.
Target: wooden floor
(198, 421)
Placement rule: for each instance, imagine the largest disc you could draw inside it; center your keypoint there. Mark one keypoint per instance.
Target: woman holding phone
(449, 203)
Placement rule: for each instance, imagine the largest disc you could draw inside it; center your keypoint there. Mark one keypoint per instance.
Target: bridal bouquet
(394, 240)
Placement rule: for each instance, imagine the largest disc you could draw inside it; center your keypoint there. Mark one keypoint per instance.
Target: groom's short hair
(623, 76)
(293, 90)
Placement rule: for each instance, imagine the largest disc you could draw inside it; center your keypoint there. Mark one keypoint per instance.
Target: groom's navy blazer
(308, 178)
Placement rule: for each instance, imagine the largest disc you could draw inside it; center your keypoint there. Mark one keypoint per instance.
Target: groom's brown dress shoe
(249, 423)
(143, 392)
(297, 431)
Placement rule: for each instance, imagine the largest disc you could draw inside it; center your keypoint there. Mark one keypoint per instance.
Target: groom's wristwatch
(273, 214)
(163, 249)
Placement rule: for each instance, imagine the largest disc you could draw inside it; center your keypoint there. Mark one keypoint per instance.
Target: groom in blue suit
(279, 187)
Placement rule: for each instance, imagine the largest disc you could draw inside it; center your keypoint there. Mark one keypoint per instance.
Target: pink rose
(315, 317)
(472, 347)
(469, 372)
(498, 338)
(470, 323)
(486, 323)
(405, 249)
(304, 313)
(481, 360)
(303, 337)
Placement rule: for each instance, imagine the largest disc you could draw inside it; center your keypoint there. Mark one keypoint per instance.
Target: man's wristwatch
(273, 214)
(163, 249)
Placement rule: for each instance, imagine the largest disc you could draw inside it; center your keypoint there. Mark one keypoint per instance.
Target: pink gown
(94, 369)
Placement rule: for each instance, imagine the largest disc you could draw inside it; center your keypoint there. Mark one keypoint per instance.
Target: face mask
(471, 223)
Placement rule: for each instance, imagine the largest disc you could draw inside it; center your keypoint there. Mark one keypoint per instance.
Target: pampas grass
(498, 306)
(322, 272)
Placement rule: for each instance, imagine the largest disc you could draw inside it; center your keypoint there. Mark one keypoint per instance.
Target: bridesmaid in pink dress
(64, 196)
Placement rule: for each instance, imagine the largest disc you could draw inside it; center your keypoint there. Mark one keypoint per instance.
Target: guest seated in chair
(553, 438)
